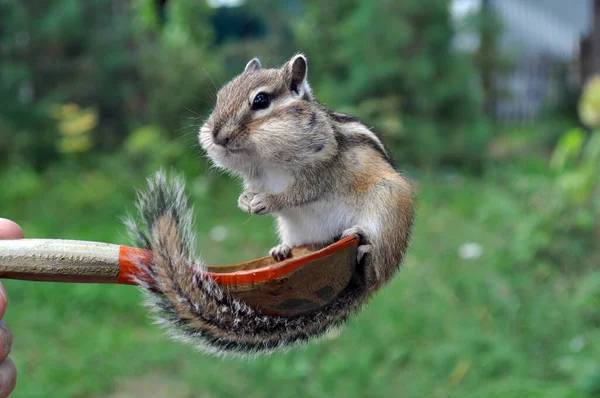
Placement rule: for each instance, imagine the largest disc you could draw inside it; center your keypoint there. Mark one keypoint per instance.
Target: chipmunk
(323, 174)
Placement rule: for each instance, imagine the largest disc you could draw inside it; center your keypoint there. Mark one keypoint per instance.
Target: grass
(494, 325)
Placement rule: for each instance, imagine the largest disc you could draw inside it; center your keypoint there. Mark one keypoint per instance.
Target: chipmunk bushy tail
(193, 308)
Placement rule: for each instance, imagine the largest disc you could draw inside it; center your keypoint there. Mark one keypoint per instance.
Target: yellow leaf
(74, 144)
(568, 148)
(58, 111)
(460, 371)
(82, 123)
(589, 105)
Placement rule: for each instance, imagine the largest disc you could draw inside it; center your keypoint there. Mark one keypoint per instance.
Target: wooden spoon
(311, 278)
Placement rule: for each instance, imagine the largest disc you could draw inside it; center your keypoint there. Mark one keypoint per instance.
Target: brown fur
(324, 174)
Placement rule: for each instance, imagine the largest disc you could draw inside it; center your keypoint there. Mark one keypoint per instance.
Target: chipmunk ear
(252, 66)
(297, 70)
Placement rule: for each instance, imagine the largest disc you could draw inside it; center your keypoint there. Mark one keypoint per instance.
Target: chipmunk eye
(261, 101)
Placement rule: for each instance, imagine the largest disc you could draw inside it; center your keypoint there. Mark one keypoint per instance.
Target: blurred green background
(500, 292)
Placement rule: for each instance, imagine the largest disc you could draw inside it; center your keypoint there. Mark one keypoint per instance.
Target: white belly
(317, 222)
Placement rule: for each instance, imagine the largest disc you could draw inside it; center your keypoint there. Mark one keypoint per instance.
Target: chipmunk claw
(256, 203)
(280, 252)
(361, 250)
(364, 247)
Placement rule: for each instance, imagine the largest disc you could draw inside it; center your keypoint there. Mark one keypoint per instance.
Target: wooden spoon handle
(60, 260)
(56, 260)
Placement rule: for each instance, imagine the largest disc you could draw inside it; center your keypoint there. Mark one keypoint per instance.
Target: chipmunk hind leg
(390, 215)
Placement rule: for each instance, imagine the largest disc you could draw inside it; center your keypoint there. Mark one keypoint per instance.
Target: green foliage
(589, 105)
(577, 163)
(393, 64)
(99, 55)
(178, 65)
(496, 324)
(134, 68)
(558, 220)
(97, 95)
(576, 185)
(60, 52)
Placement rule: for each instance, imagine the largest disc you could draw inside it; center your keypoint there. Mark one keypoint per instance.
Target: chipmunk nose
(220, 137)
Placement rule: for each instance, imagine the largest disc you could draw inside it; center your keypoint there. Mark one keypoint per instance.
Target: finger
(6, 339)
(9, 230)
(8, 377)
(3, 300)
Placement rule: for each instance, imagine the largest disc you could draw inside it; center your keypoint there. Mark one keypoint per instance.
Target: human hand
(8, 372)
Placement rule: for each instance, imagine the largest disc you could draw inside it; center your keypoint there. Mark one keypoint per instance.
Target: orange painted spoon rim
(130, 256)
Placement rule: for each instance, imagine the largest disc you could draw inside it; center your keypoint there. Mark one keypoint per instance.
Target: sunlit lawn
(446, 327)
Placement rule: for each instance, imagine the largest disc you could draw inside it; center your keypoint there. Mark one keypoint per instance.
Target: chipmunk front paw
(280, 252)
(257, 203)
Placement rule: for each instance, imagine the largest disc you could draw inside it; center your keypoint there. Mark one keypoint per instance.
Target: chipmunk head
(269, 117)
